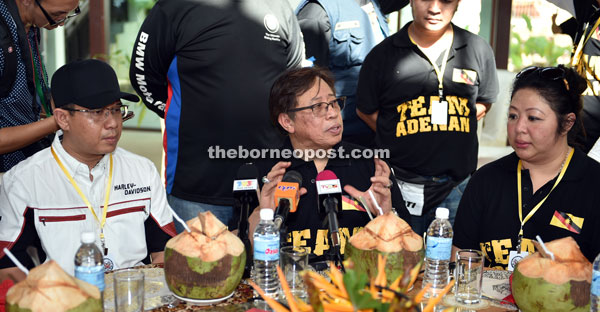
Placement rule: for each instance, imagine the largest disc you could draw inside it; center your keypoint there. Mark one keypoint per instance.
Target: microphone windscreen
(293, 176)
(326, 175)
(247, 171)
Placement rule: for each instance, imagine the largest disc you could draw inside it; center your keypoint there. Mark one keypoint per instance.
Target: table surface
(495, 285)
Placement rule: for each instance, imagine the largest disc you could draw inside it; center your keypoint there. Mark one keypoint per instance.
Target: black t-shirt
(488, 218)
(207, 66)
(399, 82)
(305, 226)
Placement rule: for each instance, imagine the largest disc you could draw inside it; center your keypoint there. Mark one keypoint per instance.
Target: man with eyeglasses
(303, 105)
(84, 182)
(24, 91)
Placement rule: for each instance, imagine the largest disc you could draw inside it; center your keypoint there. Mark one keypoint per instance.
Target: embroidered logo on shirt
(567, 221)
(465, 76)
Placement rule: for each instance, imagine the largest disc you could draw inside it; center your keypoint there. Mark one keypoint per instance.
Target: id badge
(414, 197)
(439, 112)
(514, 257)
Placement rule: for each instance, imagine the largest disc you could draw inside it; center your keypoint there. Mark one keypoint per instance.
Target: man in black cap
(87, 184)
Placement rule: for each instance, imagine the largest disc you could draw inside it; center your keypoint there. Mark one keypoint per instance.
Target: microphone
(286, 196)
(245, 193)
(329, 191)
(245, 186)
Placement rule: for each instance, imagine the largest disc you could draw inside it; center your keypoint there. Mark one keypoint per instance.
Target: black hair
(562, 93)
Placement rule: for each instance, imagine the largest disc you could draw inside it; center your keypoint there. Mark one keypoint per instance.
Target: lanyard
(535, 209)
(87, 202)
(439, 71)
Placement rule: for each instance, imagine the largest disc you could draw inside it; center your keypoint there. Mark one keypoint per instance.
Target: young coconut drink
(49, 288)
(389, 235)
(562, 284)
(207, 263)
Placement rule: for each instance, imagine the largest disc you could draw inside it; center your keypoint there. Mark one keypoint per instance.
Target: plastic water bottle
(437, 254)
(266, 253)
(595, 291)
(88, 262)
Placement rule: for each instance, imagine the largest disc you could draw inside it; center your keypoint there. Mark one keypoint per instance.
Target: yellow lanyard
(535, 209)
(87, 202)
(439, 72)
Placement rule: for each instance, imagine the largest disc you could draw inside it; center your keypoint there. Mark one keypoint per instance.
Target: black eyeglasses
(51, 21)
(100, 115)
(320, 109)
(550, 73)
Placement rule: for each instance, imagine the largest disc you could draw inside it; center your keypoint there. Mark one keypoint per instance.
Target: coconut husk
(49, 288)
(569, 263)
(387, 233)
(209, 239)
(391, 236)
(207, 263)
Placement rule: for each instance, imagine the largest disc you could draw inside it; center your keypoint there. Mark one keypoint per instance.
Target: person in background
(24, 92)
(585, 56)
(547, 187)
(208, 73)
(339, 34)
(303, 104)
(422, 90)
(88, 183)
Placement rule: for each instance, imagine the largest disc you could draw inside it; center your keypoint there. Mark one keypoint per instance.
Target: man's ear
(62, 118)
(286, 122)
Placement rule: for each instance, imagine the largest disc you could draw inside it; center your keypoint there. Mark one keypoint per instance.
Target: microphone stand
(282, 212)
(243, 228)
(334, 252)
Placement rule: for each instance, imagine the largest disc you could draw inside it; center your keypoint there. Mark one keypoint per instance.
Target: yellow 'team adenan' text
(499, 250)
(299, 238)
(415, 118)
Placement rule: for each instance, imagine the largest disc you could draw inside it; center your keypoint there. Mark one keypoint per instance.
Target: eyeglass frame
(51, 21)
(104, 109)
(341, 102)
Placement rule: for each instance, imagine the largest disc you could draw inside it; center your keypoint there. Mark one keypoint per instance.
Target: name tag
(347, 25)
(439, 112)
(514, 257)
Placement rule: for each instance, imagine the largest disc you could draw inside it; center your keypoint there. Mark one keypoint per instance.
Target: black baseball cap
(88, 83)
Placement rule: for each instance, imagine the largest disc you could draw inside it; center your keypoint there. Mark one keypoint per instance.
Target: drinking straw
(364, 203)
(180, 221)
(16, 261)
(375, 201)
(548, 252)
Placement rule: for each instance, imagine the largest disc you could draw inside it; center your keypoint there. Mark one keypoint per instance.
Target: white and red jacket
(37, 191)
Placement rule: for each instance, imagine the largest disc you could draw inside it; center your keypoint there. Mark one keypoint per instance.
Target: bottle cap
(442, 213)
(266, 214)
(88, 237)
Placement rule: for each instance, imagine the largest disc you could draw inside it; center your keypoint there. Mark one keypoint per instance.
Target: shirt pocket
(348, 47)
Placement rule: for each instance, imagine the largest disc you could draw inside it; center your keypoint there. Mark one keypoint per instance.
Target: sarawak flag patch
(567, 221)
(351, 204)
(465, 76)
